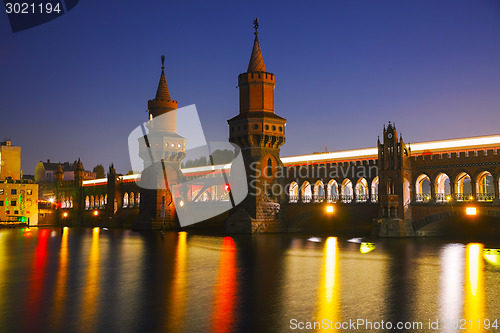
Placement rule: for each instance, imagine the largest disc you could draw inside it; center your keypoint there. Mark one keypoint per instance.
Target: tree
(99, 170)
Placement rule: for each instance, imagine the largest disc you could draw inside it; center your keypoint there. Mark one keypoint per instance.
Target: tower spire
(162, 91)
(256, 63)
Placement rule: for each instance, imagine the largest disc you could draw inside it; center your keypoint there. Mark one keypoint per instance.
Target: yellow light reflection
(89, 313)
(329, 287)
(61, 279)
(225, 292)
(452, 281)
(179, 286)
(492, 256)
(4, 263)
(474, 287)
(329, 209)
(366, 247)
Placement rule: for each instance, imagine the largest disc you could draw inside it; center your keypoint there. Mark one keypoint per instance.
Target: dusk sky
(78, 85)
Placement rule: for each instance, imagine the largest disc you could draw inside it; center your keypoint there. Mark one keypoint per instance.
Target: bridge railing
(346, 198)
(423, 197)
(374, 197)
(293, 199)
(485, 197)
(332, 198)
(362, 198)
(463, 197)
(319, 198)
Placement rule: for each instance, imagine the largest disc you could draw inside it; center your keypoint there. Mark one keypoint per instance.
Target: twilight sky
(78, 85)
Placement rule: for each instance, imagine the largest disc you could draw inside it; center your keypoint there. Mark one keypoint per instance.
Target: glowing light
(470, 211)
(329, 209)
(492, 256)
(366, 247)
(65, 214)
(65, 229)
(96, 230)
(96, 213)
(314, 239)
(448, 198)
(51, 200)
(226, 187)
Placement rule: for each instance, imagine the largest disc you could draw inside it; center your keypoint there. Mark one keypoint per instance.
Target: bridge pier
(393, 227)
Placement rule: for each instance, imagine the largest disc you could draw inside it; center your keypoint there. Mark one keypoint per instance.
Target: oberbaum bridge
(393, 189)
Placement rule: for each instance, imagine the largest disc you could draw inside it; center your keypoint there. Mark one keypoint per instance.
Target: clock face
(389, 135)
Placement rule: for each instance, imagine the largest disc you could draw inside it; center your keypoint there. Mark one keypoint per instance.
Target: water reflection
(179, 286)
(474, 288)
(223, 317)
(452, 275)
(329, 286)
(59, 296)
(91, 290)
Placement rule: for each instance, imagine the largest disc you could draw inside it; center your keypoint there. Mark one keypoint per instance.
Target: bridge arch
(442, 186)
(374, 189)
(423, 188)
(362, 190)
(319, 191)
(485, 186)
(92, 201)
(305, 191)
(87, 202)
(463, 186)
(332, 190)
(132, 200)
(125, 200)
(347, 190)
(293, 192)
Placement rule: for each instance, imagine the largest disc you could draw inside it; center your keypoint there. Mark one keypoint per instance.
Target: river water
(84, 280)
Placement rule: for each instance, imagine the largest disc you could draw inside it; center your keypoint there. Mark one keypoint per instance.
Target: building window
(1, 191)
(274, 128)
(1, 203)
(280, 129)
(16, 212)
(267, 127)
(269, 167)
(29, 192)
(13, 191)
(255, 126)
(13, 203)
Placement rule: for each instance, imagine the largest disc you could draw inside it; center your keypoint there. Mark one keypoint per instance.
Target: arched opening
(347, 192)
(125, 200)
(443, 190)
(463, 187)
(319, 191)
(269, 169)
(138, 199)
(485, 187)
(361, 190)
(332, 189)
(101, 200)
(423, 188)
(70, 202)
(63, 202)
(293, 193)
(374, 189)
(132, 199)
(87, 202)
(306, 192)
(106, 199)
(91, 201)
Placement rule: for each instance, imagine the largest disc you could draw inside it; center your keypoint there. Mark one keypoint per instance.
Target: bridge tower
(260, 133)
(161, 150)
(394, 170)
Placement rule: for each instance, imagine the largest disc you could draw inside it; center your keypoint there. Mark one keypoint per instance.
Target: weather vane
(256, 25)
(163, 61)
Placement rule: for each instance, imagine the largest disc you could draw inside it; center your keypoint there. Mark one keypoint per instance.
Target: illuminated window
(1, 191)
(29, 192)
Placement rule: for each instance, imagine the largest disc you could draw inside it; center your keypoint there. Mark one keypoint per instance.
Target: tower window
(267, 127)
(274, 128)
(280, 129)
(255, 126)
(269, 170)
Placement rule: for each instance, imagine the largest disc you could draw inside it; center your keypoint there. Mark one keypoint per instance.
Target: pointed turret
(162, 91)
(162, 103)
(256, 63)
